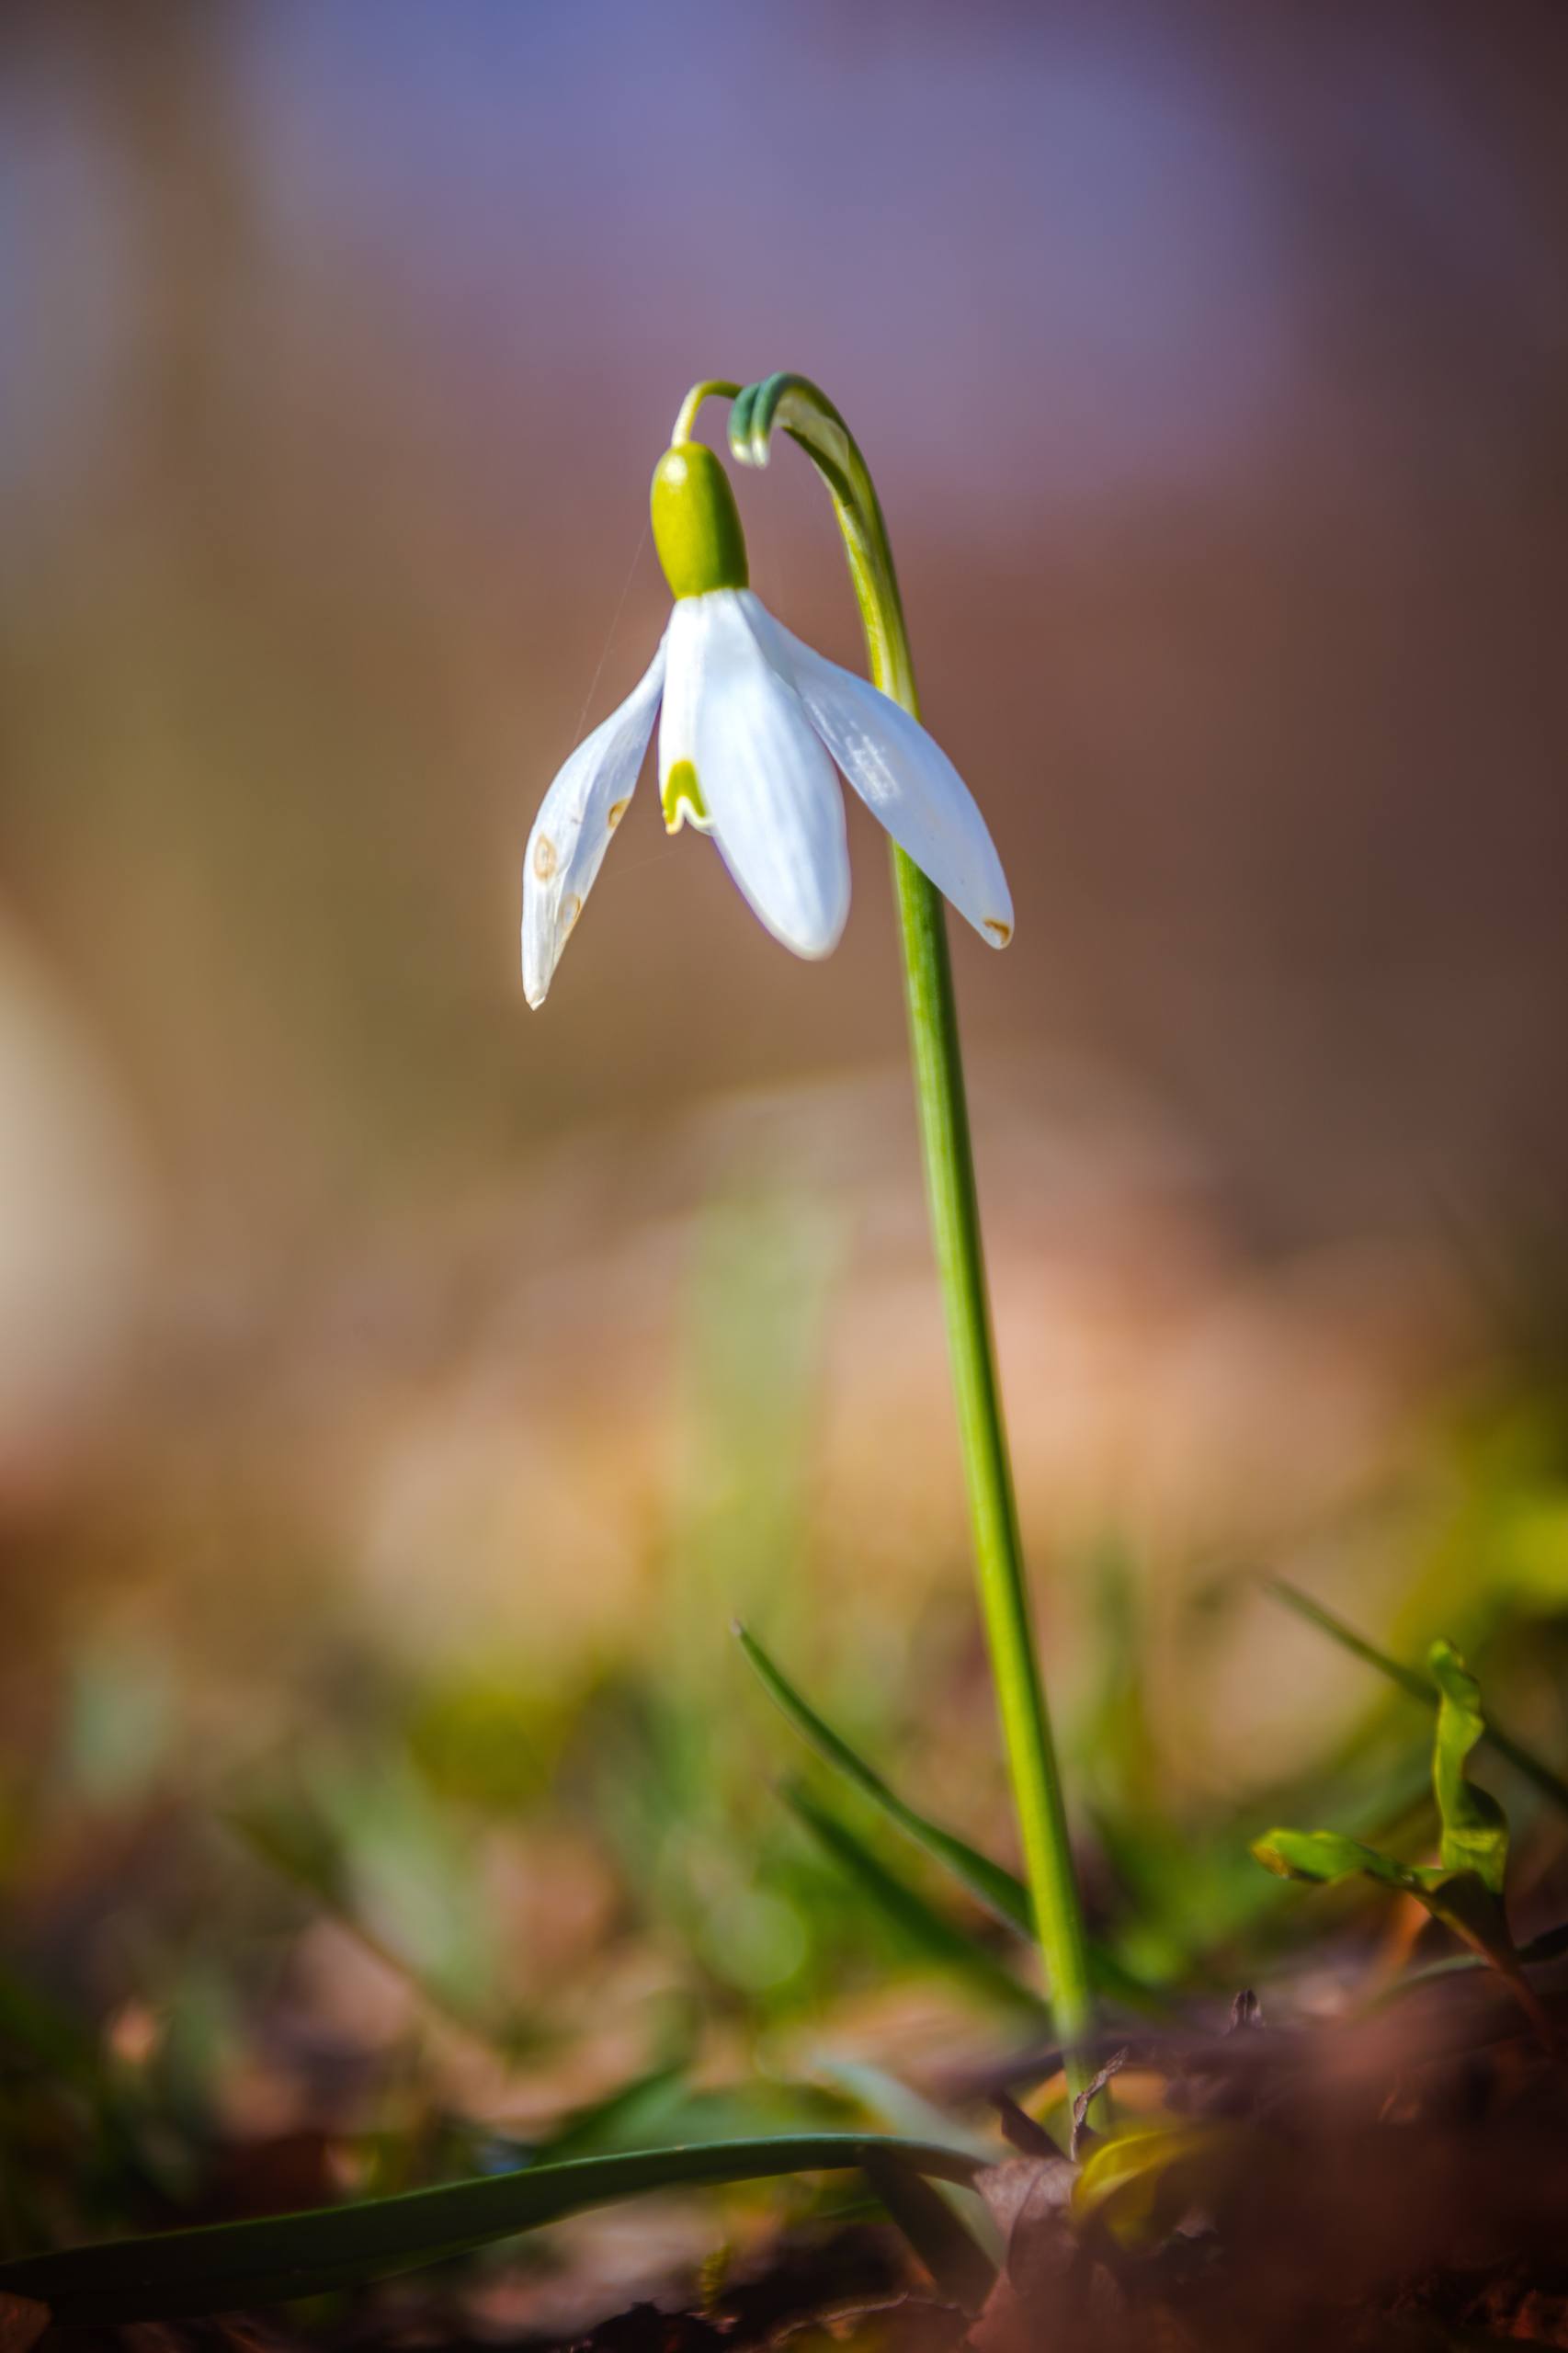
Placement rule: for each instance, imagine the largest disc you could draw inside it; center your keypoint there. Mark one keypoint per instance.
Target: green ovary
(696, 527)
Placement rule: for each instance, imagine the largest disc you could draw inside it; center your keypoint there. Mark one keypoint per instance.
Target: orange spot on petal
(544, 857)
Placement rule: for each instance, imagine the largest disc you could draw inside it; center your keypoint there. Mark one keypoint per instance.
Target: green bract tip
(696, 527)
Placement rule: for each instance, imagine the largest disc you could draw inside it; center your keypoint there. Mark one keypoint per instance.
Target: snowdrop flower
(754, 724)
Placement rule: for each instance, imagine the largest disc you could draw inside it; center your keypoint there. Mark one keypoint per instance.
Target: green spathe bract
(697, 525)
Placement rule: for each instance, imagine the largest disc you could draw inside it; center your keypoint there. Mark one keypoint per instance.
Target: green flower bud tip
(696, 527)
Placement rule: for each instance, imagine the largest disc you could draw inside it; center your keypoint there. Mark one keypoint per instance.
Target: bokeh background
(399, 1392)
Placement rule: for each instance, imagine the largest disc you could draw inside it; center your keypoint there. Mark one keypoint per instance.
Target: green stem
(810, 420)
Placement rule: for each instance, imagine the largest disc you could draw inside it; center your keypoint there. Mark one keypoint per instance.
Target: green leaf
(1474, 1826)
(220, 2268)
(892, 2105)
(1137, 2183)
(33, 2022)
(1001, 1892)
(1410, 1680)
(1464, 1889)
(293, 1839)
(961, 2268)
(1460, 1899)
(917, 1921)
(616, 2115)
(1314, 1613)
(1324, 1857)
(35, 2028)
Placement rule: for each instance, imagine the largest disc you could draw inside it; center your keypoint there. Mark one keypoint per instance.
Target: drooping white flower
(753, 726)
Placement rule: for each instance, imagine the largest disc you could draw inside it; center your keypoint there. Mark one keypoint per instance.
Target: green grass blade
(604, 2121)
(1418, 1686)
(292, 1842)
(223, 2267)
(1550, 1944)
(919, 1923)
(1409, 1678)
(891, 2105)
(1001, 1891)
(31, 2021)
(34, 2025)
(961, 2268)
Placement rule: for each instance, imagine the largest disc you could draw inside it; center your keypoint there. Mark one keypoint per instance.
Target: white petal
(572, 832)
(776, 810)
(906, 780)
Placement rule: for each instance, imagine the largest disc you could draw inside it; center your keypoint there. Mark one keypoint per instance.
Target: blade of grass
(1418, 1686)
(916, 1920)
(1550, 1944)
(298, 1846)
(960, 2269)
(605, 2119)
(1001, 1892)
(1316, 1613)
(32, 2022)
(891, 2105)
(64, 2050)
(221, 2267)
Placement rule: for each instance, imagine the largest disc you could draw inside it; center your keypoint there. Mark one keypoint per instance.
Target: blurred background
(399, 1392)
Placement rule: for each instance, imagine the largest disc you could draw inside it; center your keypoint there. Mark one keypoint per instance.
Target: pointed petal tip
(576, 822)
(903, 777)
(536, 984)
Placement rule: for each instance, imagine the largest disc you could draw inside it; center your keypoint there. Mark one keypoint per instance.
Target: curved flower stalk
(754, 724)
(796, 405)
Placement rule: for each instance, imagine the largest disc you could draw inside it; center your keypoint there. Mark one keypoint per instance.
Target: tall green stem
(810, 420)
